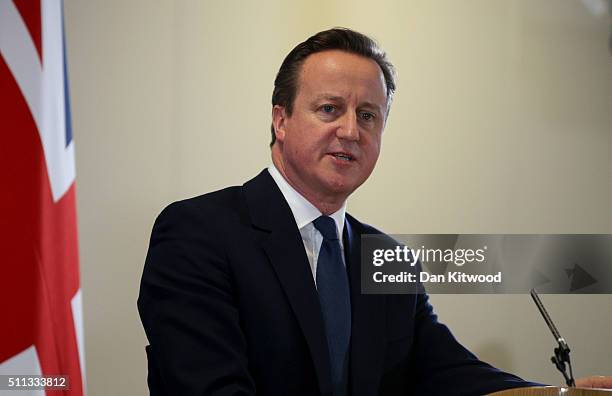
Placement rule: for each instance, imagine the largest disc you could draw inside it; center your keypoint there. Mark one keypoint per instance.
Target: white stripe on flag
(41, 85)
(77, 316)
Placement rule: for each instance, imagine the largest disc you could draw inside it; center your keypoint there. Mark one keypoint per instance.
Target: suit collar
(267, 208)
(283, 245)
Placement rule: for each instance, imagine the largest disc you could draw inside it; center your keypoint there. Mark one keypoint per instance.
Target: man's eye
(327, 108)
(367, 116)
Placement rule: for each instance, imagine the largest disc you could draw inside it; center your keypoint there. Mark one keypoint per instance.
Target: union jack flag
(40, 297)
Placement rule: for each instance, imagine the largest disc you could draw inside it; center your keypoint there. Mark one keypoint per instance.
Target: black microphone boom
(562, 351)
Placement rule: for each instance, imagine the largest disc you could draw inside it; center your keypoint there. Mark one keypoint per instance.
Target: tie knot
(327, 227)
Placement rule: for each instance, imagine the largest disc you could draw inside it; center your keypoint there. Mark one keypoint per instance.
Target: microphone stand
(562, 352)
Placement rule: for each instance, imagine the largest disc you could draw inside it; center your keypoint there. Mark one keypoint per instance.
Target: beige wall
(502, 123)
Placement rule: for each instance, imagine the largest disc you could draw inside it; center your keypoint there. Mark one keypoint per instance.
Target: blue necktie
(334, 296)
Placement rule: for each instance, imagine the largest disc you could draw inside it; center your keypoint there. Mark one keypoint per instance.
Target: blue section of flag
(68, 116)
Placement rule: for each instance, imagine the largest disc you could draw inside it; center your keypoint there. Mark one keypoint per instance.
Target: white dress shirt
(305, 213)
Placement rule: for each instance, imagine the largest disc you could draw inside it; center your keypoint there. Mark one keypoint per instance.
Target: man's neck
(326, 204)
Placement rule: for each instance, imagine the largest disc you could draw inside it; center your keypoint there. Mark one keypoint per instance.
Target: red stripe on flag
(39, 247)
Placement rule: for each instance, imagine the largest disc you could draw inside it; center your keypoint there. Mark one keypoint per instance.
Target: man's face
(329, 145)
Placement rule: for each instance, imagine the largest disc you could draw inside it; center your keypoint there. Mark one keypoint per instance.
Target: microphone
(561, 356)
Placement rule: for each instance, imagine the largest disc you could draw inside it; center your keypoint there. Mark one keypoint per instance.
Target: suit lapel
(369, 320)
(284, 247)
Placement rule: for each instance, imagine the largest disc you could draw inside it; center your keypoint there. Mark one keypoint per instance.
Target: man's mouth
(343, 156)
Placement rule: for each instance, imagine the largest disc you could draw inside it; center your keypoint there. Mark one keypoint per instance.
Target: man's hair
(286, 82)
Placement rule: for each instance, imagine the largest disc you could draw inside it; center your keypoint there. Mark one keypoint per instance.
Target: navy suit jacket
(230, 307)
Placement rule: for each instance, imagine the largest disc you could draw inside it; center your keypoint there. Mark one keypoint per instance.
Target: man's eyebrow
(336, 98)
(371, 105)
(331, 97)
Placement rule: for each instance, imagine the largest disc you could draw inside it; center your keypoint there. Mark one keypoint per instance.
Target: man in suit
(255, 289)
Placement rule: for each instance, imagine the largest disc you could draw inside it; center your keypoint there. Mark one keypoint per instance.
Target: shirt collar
(303, 211)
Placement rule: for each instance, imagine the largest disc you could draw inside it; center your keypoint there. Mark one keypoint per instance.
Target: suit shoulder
(226, 199)
(213, 207)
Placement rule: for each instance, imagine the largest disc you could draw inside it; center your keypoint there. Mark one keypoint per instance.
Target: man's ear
(279, 118)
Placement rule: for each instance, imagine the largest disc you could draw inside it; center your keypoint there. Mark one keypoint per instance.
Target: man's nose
(348, 128)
